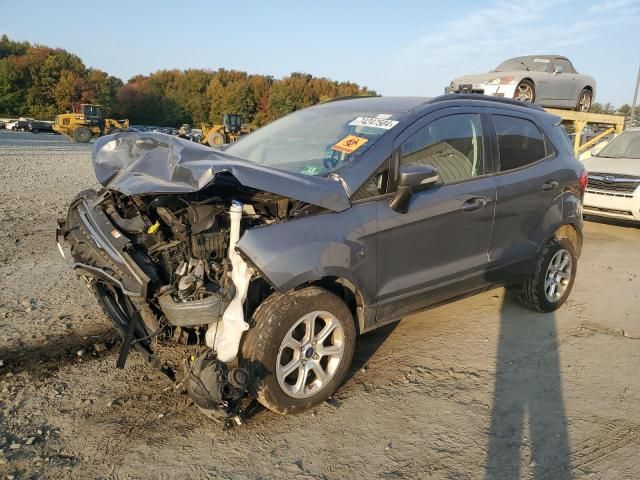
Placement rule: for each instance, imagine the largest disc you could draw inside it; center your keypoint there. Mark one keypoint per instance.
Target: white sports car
(548, 80)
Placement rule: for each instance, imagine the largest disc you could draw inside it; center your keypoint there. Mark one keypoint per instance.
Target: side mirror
(409, 178)
(558, 69)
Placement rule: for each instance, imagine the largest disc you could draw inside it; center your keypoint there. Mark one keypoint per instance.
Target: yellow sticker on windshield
(349, 144)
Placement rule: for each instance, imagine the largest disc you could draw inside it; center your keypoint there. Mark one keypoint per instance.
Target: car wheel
(215, 139)
(35, 130)
(555, 271)
(584, 100)
(525, 92)
(299, 349)
(82, 135)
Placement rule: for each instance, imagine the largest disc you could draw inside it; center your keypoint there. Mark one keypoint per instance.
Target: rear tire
(525, 92)
(283, 320)
(35, 130)
(552, 280)
(82, 135)
(584, 100)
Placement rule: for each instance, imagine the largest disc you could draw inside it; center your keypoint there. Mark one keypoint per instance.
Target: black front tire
(532, 292)
(82, 135)
(270, 324)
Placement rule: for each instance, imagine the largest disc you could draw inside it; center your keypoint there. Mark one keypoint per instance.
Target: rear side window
(566, 66)
(520, 142)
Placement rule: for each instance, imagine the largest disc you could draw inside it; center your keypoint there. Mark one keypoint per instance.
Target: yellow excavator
(86, 122)
(231, 129)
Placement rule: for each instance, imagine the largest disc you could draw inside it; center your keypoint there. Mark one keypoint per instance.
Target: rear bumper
(623, 206)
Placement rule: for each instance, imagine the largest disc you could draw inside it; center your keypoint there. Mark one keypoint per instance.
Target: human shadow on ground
(528, 408)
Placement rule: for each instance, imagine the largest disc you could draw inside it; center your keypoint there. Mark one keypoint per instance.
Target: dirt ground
(476, 389)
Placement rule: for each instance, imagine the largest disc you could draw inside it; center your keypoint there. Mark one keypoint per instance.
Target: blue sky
(396, 48)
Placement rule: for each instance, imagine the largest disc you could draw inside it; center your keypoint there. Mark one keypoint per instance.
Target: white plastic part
(224, 336)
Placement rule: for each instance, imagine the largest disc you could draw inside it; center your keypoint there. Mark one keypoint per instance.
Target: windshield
(627, 145)
(524, 63)
(314, 141)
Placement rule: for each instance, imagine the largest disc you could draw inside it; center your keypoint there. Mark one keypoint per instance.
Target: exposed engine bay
(157, 246)
(198, 283)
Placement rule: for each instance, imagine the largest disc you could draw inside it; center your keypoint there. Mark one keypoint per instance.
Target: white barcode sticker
(374, 123)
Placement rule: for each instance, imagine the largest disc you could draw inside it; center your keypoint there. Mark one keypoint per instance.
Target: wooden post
(579, 126)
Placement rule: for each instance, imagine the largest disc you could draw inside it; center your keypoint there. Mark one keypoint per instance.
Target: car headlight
(500, 81)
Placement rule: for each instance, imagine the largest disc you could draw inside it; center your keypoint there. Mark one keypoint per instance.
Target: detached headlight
(500, 81)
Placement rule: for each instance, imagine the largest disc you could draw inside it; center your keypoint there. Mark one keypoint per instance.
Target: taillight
(584, 178)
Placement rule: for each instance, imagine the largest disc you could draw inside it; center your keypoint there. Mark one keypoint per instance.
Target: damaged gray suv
(259, 264)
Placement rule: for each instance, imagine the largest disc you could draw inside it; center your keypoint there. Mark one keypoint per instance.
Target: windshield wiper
(524, 65)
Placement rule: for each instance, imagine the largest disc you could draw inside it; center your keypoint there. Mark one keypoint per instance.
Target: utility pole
(635, 98)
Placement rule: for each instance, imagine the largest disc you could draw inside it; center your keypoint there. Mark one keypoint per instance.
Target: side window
(520, 142)
(565, 64)
(375, 185)
(451, 144)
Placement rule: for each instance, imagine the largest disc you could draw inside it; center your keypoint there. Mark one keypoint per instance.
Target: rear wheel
(35, 130)
(525, 92)
(549, 286)
(584, 100)
(299, 348)
(215, 139)
(82, 135)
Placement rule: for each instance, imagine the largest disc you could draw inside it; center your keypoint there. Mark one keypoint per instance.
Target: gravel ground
(477, 389)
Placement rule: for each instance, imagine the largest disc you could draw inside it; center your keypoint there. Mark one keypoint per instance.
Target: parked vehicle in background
(10, 124)
(36, 126)
(2, 125)
(613, 189)
(20, 126)
(548, 80)
(229, 131)
(330, 222)
(188, 133)
(86, 122)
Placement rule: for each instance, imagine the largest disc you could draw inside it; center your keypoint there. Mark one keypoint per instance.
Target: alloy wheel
(524, 93)
(310, 354)
(585, 102)
(558, 275)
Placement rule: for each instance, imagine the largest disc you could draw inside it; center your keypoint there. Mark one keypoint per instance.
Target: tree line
(38, 81)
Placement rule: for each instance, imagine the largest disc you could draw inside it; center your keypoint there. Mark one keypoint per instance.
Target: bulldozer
(86, 122)
(231, 129)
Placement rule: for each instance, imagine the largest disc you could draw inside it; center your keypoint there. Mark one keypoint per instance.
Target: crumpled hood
(481, 78)
(155, 163)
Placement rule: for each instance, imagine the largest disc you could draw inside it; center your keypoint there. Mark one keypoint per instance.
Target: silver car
(548, 80)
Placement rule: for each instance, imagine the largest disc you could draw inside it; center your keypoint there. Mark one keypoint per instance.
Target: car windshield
(534, 64)
(315, 141)
(626, 145)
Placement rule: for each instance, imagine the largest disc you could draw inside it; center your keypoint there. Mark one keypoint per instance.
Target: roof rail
(485, 98)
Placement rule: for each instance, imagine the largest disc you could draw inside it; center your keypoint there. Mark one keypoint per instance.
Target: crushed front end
(164, 268)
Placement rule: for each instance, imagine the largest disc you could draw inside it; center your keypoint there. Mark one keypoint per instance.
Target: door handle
(475, 203)
(550, 185)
